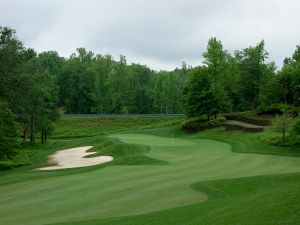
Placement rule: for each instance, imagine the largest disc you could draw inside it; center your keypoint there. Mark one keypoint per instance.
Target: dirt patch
(247, 120)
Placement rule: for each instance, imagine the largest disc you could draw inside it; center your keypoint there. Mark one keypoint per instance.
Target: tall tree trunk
(42, 137)
(45, 137)
(32, 139)
(24, 132)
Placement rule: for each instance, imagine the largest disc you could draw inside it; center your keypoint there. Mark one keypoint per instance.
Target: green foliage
(289, 79)
(8, 132)
(219, 102)
(199, 95)
(269, 86)
(252, 65)
(20, 158)
(27, 84)
(249, 117)
(194, 124)
(100, 84)
(282, 124)
(277, 108)
(296, 126)
(215, 59)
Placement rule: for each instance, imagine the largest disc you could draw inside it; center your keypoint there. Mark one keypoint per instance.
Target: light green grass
(99, 192)
(265, 200)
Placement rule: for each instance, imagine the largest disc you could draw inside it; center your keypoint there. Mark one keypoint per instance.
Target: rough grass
(204, 182)
(90, 126)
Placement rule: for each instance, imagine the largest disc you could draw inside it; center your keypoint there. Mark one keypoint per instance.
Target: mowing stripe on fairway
(137, 189)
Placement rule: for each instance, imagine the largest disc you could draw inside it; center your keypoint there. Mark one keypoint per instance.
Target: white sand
(74, 157)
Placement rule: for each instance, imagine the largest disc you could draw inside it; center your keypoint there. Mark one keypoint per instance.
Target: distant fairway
(122, 190)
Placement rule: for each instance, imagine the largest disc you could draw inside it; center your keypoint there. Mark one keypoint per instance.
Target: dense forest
(242, 81)
(35, 88)
(90, 83)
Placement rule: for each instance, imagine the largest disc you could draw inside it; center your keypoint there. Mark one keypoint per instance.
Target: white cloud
(160, 34)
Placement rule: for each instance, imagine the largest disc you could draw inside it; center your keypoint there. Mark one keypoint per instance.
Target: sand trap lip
(74, 157)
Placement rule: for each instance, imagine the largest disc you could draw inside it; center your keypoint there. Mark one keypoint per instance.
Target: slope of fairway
(121, 190)
(265, 200)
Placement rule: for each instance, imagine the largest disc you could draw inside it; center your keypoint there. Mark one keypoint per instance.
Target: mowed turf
(117, 190)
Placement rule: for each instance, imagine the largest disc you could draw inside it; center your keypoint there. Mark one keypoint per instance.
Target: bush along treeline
(242, 81)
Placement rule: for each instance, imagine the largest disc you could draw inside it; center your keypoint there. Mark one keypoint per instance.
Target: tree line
(28, 94)
(90, 83)
(35, 87)
(245, 80)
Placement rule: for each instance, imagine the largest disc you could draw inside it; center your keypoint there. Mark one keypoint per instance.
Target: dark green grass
(263, 200)
(90, 126)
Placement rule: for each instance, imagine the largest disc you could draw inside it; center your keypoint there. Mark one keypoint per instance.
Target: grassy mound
(86, 126)
(238, 125)
(198, 124)
(250, 117)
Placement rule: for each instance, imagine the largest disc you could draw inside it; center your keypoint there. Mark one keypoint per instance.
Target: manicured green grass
(86, 126)
(264, 200)
(189, 179)
(240, 141)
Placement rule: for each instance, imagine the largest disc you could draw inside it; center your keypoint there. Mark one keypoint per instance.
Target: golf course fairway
(126, 190)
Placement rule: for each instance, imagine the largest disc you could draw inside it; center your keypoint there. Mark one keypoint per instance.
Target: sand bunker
(74, 157)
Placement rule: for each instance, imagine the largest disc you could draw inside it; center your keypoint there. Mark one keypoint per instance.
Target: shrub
(248, 117)
(8, 132)
(196, 124)
(277, 109)
(296, 126)
(282, 124)
(7, 164)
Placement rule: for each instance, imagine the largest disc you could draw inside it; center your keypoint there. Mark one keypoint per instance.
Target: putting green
(116, 191)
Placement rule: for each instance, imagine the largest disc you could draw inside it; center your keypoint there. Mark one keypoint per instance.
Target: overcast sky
(157, 33)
